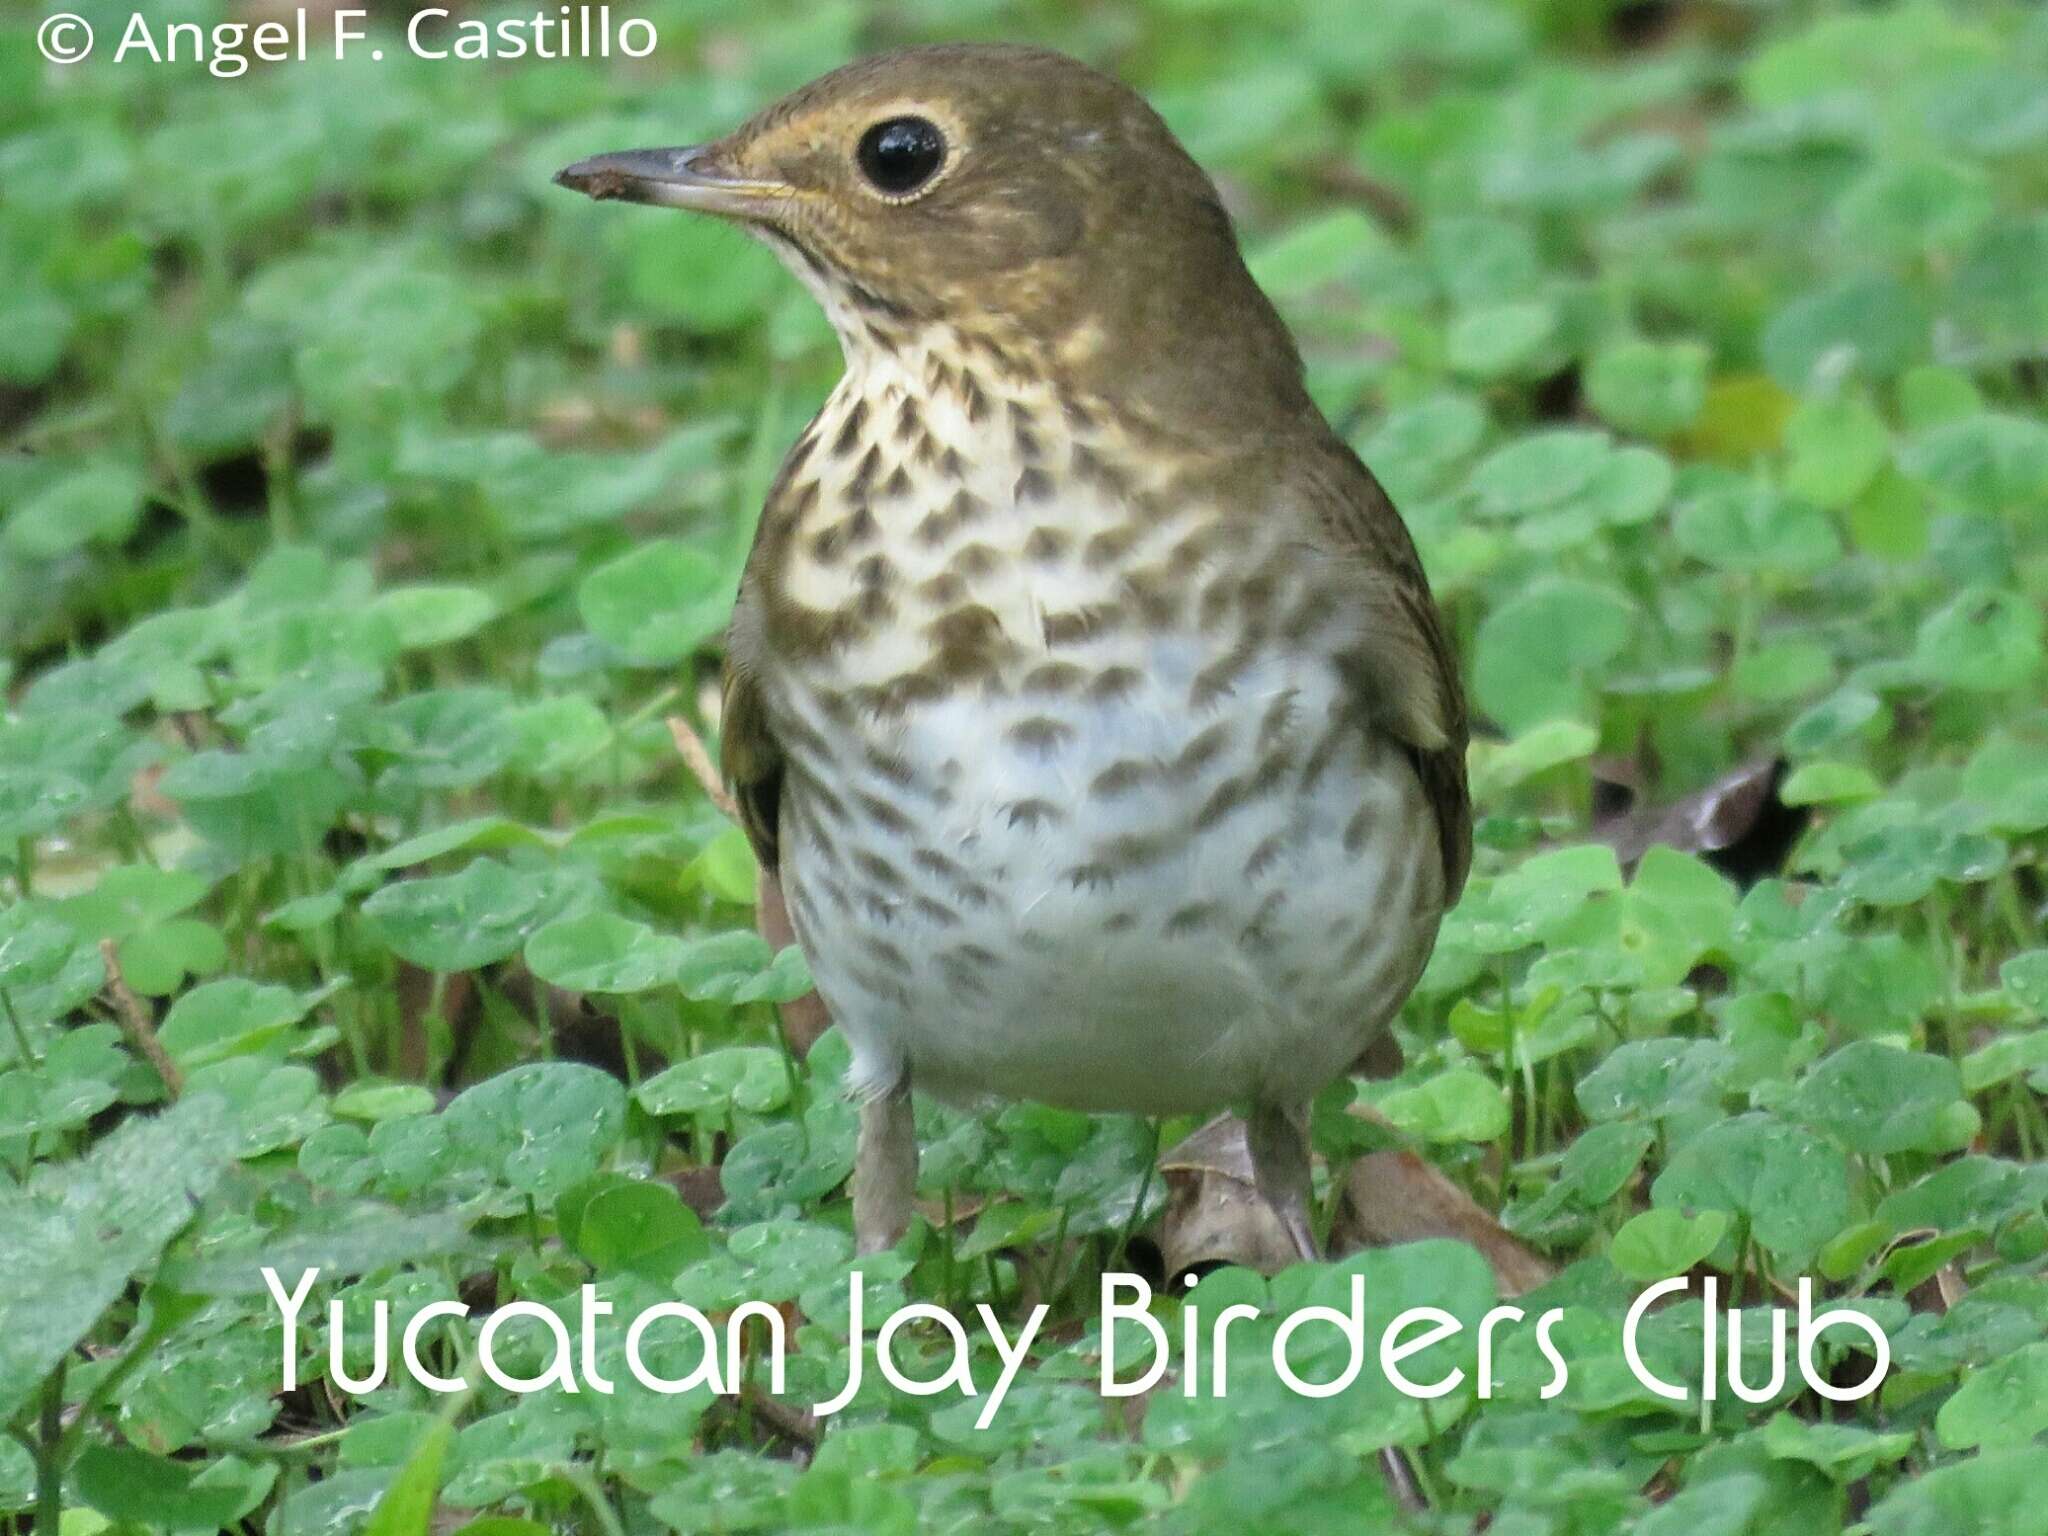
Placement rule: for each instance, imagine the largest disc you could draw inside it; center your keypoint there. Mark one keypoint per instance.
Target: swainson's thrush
(1084, 687)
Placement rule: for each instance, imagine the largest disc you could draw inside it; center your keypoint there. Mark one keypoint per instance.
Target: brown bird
(1084, 688)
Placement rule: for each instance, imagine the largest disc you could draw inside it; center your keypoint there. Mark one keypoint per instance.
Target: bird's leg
(1277, 1139)
(884, 1170)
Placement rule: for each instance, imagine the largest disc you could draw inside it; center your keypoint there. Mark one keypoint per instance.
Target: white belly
(1118, 919)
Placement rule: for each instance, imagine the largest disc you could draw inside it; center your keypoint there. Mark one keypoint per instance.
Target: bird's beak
(690, 177)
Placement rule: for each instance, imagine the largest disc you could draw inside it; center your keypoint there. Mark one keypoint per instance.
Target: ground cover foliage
(367, 506)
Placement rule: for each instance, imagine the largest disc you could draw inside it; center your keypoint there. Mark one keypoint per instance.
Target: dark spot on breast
(1335, 734)
(850, 430)
(1033, 485)
(1120, 777)
(1216, 599)
(1157, 596)
(1091, 877)
(799, 500)
(890, 765)
(1202, 751)
(1113, 683)
(893, 699)
(1362, 945)
(885, 815)
(975, 560)
(1310, 617)
(898, 483)
(1264, 855)
(1278, 716)
(1134, 850)
(1260, 595)
(1258, 933)
(1032, 814)
(1040, 735)
(886, 951)
(1357, 830)
(878, 869)
(1079, 624)
(936, 913)
(1187, 919)
(1217, 679)
(1094, 469)
(964, 979)
(1192, 552)
(1044, 545)
(1053, 678)
(972, 627)
(864, 476)
(1109, 546)
(828, 544)
(933, 862)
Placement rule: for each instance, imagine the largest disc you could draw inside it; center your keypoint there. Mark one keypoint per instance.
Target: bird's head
(1008, 193)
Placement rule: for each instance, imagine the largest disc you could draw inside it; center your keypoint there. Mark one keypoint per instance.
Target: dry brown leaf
(1214, 1214)
(1396, 1197)
(1737, 823)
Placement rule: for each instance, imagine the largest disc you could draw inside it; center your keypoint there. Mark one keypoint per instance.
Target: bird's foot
(884, 1170)
(1277, 1139)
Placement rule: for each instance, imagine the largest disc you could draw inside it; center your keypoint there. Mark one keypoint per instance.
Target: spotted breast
(1076, 804)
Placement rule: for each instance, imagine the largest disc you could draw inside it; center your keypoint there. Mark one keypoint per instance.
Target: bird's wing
(751, 759)
(749, 756)
(1404, 670)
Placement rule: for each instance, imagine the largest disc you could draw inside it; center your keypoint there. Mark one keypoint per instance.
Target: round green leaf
(1658, 1244)
(2000, 1403)
(603, 952)
(1654, 388)
(1985, 639)
(749, 1077)
(640, 1226)
(1878, 1099)
(1458, 1105)
(540, 1127)
(657, 603)
(462, 921)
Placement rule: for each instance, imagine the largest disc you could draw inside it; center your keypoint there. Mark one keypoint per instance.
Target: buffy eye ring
(901, 154)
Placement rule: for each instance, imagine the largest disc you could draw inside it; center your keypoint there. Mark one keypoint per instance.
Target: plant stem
(136, 1024)
(584, 1481)
(49, 1455)
(27, 1055)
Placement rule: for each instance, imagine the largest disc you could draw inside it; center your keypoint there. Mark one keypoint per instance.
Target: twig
(1400, 1475)
(697, 757)
(797, 1423)
(135, 1023)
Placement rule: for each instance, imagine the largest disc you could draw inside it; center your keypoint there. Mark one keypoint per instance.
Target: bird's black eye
(901, 154)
